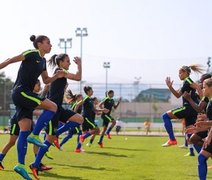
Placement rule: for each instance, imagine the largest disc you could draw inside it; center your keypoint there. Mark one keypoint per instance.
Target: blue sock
(78, 137)
(109, 129)
(101, 139)
(202, 167)
(86, 135)
(197, 148)
(40, 154)
(65, 139)
(79, 145)
(190, 146)
(186, 143)
(66, 127)
(22, 146)
(2, 157)
(42, 121)
(168, 126)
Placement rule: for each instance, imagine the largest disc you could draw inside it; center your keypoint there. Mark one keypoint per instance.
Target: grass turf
(123, 157)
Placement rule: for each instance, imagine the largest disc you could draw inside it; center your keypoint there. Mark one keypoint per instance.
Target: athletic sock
(101, 138)
(40, 154)
(66, 127)
(22, 146)
(191, 149)
(65, 139)
(2, 156)
(168, 126)
(86, 135)
(197, 148)
(42, 121)
(202, 167)
(109, 129)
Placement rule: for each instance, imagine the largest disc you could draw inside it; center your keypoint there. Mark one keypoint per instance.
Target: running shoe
(20, 169)
(109, 136)
(34, 139)
(100, 144)
(82, 139)
(1, 166)
(78, 150)
(34, 171)
(56, 143)
(43, 167)
(169, 143)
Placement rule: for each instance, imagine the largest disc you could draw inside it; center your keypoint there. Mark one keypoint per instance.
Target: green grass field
(124, 158)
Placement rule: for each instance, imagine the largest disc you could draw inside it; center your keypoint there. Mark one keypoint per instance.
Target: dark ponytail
(38, 39)
(87, 88)
(55, 59)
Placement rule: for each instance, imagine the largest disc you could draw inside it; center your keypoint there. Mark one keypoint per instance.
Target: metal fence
(139, 101)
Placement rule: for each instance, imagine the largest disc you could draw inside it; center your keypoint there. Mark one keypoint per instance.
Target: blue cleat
(34, 139)
(20, 169)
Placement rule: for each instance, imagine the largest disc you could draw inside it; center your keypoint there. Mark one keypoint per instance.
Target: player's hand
(187, 95)
(207, 141)
(77, 60)
(169, 83)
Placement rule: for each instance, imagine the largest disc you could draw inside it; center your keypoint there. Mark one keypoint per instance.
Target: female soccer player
(33, 65)
(89, 127)
(14, 132)
(56, 94)
(203, 125)
(108, 103)
(186, 111)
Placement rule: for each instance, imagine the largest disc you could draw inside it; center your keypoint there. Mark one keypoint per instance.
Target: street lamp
(106, 65)
(81, 32)
(65, 43)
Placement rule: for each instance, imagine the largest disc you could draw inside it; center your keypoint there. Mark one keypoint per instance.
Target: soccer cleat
(78, 150)
(82, 139)
(189, 154)
(100, 144)
(1, 166)
(34, 139)
(57, 144)
(20, 169)
(48, 155)
(109, 136)
(169, 143)
(34, 171)
(43, 167)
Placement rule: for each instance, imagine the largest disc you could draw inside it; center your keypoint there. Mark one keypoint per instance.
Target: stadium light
(65, 43)
(81, 32)
(106, 65)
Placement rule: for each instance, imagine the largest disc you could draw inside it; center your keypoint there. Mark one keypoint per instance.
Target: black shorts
(14, 127)
(88, 124)
(187, 113)
(208, 148)
(25, 102)
(76, 130)
(202, 134)
(106, 119)
(62, 115)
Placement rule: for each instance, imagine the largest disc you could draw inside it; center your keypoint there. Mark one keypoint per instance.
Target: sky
(150, 39)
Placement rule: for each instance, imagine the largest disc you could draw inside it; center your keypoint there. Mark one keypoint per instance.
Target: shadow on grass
(126, 149)
(107, 154)
(84, 167)
(49, 175)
